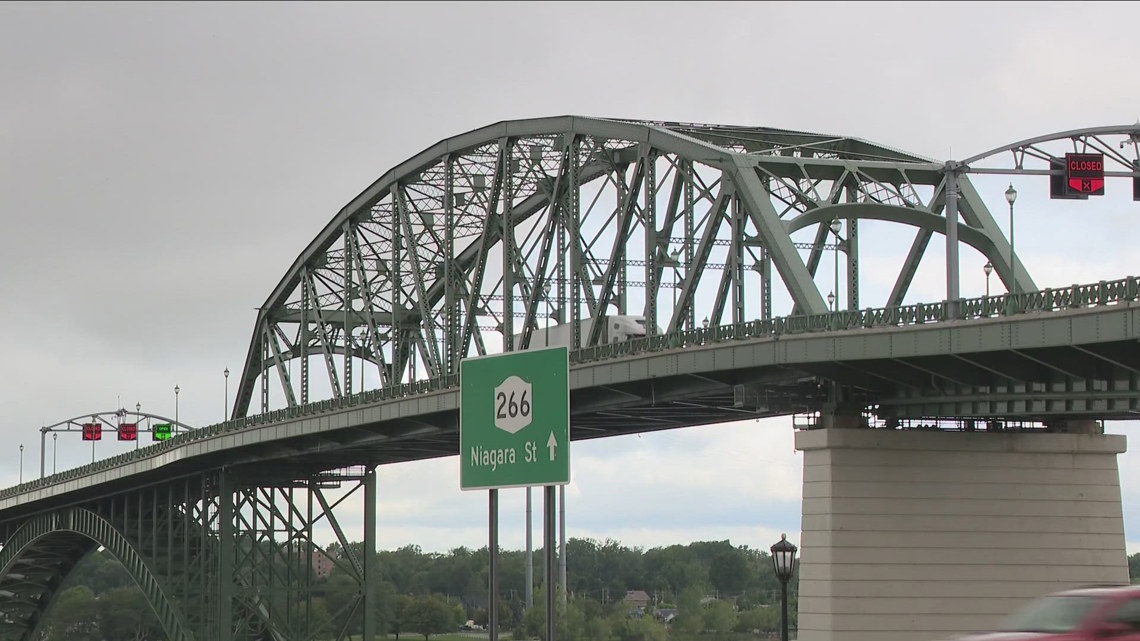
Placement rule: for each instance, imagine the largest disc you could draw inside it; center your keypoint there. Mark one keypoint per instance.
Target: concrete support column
(917, 536)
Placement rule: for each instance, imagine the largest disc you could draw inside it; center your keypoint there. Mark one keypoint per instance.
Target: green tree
(728, 572)
(690, 613)
(400, 620)
(671, 569)
(598, 625)
(74, 616)
(627, 628)
(124, 615)
(764, 619)
(532, 625)
(341, 592)
(312, 620)
(720, 617)
(428, 615)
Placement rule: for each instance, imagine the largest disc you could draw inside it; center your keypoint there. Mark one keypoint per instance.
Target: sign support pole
(548, 545)
(514, 431)
(562, 541)
(529, 553)
(493, 554)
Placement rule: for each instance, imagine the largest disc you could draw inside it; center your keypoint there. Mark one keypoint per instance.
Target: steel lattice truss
(475, 243)
(220, 554)
(679, 223)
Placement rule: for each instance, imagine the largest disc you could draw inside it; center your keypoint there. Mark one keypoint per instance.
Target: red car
(1086, 614)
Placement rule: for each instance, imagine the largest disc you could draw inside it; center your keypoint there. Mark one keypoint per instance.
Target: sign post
(514, 431)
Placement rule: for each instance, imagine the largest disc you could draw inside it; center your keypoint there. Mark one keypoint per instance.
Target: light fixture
(784, 563)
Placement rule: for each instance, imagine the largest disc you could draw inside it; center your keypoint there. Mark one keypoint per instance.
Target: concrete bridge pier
(918, 536)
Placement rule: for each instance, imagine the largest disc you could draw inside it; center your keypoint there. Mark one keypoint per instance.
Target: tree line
(706, 587)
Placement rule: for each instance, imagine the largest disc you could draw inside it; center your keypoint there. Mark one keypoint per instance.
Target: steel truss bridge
(485, 238)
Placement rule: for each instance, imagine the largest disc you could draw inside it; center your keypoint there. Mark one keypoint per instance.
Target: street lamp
(226, 406)
(784, 562)
(546, 297)
(176, 390)
(835, 227)
(831, 300)
(1010, 197)
(21, 463)
(675, 262)
(989, 269)
(54, 450)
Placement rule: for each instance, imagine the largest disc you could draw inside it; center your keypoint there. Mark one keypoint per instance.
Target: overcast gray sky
(161, 166)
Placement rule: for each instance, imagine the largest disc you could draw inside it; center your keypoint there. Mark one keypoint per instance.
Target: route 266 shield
(514, 404)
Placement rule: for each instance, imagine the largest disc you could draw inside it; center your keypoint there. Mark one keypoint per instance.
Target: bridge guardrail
(1048, 300)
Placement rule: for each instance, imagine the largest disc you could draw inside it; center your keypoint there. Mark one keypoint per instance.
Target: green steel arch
(43, 551)
(590, 216)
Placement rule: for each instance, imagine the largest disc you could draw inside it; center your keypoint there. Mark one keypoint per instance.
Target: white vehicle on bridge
(615, 329)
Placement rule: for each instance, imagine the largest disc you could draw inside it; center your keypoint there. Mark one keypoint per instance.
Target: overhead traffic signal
(1058, 188)
(92, 431)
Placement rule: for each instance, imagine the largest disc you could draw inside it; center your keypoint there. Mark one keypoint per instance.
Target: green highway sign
(514, 419)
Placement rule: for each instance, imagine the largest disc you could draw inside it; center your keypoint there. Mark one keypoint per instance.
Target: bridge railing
(1048, 300)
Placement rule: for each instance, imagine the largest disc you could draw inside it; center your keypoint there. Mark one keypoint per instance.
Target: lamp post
(226, 405)
(784, 562)
(176, 390)
(21, 462)
(54, 450)
(989, 269)
(1010, 197)
(835, 227)
(831, 300)
(674, 262)
(549, 315)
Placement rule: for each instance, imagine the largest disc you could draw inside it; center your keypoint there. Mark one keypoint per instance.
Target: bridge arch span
(45, 549)
(479, 240)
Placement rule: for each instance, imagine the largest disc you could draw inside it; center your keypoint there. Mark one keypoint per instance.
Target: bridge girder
(221, 555)
(489, 235)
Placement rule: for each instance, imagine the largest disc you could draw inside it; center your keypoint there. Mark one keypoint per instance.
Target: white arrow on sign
(551, 443)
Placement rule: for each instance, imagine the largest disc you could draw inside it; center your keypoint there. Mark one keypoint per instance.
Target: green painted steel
(514, 425)
(24, 573)
(177, 526)
(511, 227)
(1114, 294)
(504, 229)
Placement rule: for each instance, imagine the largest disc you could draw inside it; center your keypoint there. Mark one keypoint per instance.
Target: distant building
(322, 563)
(637, 598)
